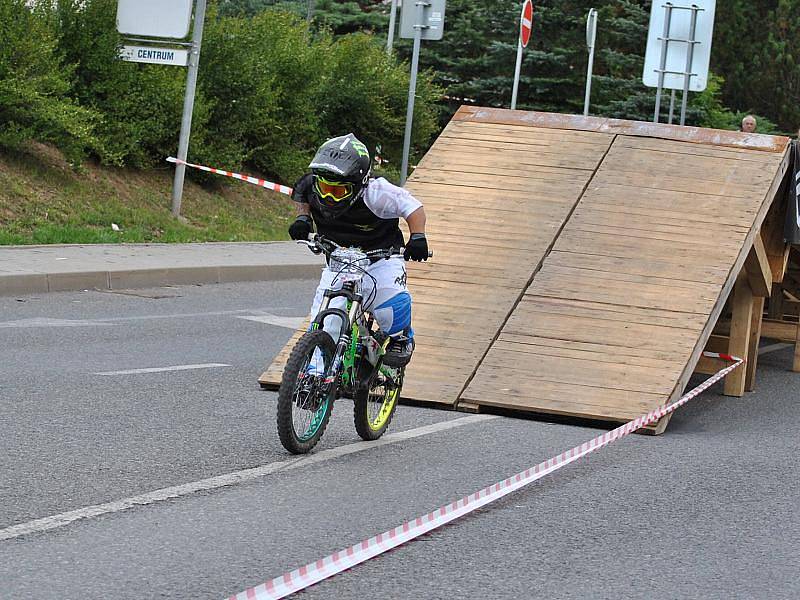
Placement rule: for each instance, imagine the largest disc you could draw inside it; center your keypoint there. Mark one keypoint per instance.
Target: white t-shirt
(388, 201)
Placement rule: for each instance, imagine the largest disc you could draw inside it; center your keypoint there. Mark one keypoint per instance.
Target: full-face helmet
(341, 169)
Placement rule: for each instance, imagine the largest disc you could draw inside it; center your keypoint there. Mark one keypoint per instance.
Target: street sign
(591, 37)
(154, 18)
(432, 25)
(526, 23)
(158, 56)
(591, 28)
(674, 35)
(421, 20)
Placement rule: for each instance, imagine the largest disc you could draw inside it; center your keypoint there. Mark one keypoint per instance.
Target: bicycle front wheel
(376, 402)
(303, 407)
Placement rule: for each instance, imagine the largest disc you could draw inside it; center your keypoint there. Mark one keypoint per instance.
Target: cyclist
(343, 203)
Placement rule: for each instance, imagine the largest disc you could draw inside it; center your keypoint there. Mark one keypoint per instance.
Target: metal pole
(671, 106)
(591, 37)
(412, 88)
(310, 12)
(517, 70)
(392, 25)
(662, 68)
(188, 106)
(689, 57)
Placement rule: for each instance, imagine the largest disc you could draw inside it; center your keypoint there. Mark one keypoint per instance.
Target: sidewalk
(39, 269)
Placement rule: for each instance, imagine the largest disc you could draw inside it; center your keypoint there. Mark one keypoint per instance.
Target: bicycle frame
(348, 356)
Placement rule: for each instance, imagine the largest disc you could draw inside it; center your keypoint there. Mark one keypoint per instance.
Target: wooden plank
(741, 323)
(697, 135)
(759, 273)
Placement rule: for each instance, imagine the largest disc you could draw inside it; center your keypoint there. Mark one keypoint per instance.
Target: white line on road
(288, 322)
(162, 369)
(212, 483)
(773, 348)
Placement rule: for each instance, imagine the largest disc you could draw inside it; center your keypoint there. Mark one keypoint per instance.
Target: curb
(41, 283)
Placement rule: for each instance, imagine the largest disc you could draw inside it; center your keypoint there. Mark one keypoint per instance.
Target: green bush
(141, 105)
(34, 86)
(278, 95)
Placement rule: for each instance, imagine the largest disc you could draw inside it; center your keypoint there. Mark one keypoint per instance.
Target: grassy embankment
(44, 201)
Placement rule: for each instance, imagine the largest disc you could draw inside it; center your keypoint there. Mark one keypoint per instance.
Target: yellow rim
(389, 400)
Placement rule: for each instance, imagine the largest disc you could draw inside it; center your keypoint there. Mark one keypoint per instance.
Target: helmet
(341, 169)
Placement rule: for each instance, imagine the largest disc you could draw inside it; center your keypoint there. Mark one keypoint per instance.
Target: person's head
(341, 169)
(749, 124)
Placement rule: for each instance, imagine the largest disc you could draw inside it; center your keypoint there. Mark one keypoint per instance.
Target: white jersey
(389, 201)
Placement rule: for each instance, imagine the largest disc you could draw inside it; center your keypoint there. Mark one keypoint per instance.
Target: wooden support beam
(740, 334)
(776, 302)
(759, 273)
(752, 349)
(796, 363)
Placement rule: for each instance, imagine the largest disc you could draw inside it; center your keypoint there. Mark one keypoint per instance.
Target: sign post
(392, 25)
(591, 36)
(420, 20)
(170, 22)
(525, 24)
(188, 106)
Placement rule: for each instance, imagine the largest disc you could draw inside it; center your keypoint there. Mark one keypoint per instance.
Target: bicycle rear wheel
(375, 403)
(303, 407)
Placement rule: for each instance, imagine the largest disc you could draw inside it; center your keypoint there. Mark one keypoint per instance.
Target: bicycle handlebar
(321, 245)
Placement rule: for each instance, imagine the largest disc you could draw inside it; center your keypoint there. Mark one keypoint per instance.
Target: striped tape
(275, 187)
(342, 560)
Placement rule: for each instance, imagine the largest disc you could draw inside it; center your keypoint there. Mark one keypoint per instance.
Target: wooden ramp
(580, 263)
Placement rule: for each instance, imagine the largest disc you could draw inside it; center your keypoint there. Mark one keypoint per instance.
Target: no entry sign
(526, 22)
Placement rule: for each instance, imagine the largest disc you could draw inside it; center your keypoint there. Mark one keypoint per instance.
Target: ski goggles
(332, 190)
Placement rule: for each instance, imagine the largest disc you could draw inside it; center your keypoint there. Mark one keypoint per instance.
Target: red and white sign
(525, 23)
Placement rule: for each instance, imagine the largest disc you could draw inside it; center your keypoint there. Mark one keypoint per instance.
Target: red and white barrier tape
(276, 187)
(342, 560)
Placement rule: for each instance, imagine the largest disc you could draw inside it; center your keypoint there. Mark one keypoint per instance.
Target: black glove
(417, 247)
(301, 228)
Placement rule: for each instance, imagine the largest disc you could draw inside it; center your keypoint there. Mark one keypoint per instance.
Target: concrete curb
(40, 283)
(44, 269)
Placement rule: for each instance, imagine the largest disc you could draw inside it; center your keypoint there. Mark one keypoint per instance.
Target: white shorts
(389, 281)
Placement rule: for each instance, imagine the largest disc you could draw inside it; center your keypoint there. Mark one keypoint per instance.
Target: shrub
(34, 86)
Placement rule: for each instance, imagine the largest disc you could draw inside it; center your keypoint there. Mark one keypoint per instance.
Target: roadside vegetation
(272, 88)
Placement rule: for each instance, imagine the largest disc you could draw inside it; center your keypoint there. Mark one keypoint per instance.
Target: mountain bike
(320, 369)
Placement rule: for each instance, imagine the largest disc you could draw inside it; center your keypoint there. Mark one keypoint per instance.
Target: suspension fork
(343, 344)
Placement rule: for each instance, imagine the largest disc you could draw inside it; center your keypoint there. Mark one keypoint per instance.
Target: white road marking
(162, 369)
(288, 322)
(212, 483)
(47, 322)
(51, 322)
(773, 348)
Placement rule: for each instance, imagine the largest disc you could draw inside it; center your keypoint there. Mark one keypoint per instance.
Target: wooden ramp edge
(496, 200)
(614, 323)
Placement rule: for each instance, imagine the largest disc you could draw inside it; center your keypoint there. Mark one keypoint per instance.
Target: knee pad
(394, 315)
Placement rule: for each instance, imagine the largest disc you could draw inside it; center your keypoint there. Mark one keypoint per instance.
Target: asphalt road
(708, 510)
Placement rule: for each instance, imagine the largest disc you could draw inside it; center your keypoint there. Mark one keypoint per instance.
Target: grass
(44, 201)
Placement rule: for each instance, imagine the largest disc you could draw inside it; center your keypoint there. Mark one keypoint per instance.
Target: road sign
(158, 56)
(674, 36)
(591, 28)
(591, 37)
(432, 25)
(526, 23)
(421, 20)
(154, 18)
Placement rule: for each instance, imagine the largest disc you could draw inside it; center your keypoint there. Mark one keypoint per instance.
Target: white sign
(679, 29)
(432, 19)
(158, 56)
(154, 18)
